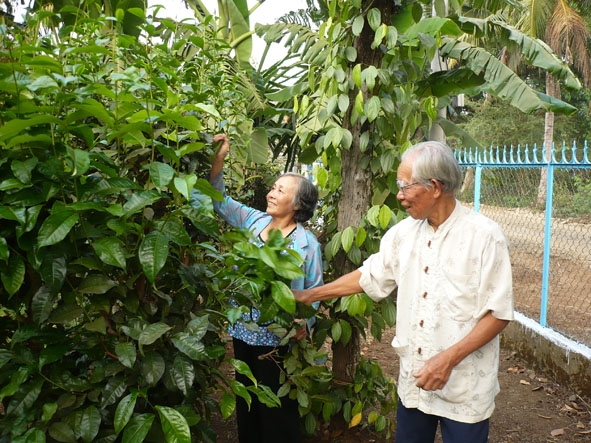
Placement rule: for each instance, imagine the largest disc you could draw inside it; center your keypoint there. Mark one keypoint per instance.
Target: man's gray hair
(434, 160)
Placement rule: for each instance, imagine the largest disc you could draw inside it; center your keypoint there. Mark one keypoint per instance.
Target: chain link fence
(544, 207)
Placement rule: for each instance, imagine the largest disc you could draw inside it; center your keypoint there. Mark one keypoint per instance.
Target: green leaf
(4, 251)
(373, 215)
(385, 216)
(42, 305)
(161, 174)
(80, 162)
(52, 354)
(175, 230)
(89, 424)
(138, 201)
(267, 397)
(354, 305)
(96, 109)
(53, 271)
(174, 425)
(184, 185)
(360, 237)
(96, 284)
(152, 368)
(346, 331)
(110, 251)
(153, 253)
(336, 331)
(99, 325)
(501, 81)
(5, 357)
(242, 368)
(198, 327)
(13, 127)
(347, 237)
(359, 103)
(183, 374)
(49, 410)
(13, 276)
(124, 412)
(189, 345)
(62, 432)
(22, 170)
(374, 18)
(55, 227)
(288, 270)
(127, 354)
(283, 296)
(357, 26)
(227, 405)
(241, 391)
(113, 390)
(259, 147)
(138, 428)
(372, 108)
(153, 332)
(357, 77)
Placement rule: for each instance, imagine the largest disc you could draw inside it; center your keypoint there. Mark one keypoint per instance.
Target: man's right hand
(303, 295)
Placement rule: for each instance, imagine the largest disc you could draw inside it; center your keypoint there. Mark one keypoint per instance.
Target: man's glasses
(402, 186)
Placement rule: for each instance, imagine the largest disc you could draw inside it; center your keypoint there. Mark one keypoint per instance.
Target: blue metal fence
(517, 185)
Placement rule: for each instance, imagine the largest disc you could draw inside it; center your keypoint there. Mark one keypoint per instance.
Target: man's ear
(437, 187)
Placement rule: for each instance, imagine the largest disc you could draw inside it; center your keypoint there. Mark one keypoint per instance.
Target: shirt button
(429, 244)
(425, 295)
(421, 323)
(426, 269)
(419, 351)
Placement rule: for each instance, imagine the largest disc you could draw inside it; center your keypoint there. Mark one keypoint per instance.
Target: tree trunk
(355, 199)
(553, 90)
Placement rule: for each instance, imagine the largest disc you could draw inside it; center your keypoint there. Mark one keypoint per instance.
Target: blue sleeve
(231, 211)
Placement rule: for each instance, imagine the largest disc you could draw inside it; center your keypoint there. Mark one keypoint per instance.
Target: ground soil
(531, 408)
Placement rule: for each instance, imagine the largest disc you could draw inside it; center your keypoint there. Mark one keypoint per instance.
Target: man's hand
(435, 372)
(303, 295)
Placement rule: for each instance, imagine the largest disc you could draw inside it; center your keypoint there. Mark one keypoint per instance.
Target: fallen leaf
(537, 388)
(544, 416)
(524, 382)
(557, 432)
(355, 420)
(580, 425)
(566, 408)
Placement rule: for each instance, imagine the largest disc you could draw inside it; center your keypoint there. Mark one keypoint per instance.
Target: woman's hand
(218, 161)
(224, 144)
(301, 331)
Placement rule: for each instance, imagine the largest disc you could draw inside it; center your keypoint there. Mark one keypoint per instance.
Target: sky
(268, 12)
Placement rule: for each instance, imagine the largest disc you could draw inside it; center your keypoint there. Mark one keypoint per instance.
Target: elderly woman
(290, 202)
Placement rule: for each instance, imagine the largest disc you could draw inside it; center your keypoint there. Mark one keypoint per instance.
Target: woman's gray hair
(305, 198)
(435, 160)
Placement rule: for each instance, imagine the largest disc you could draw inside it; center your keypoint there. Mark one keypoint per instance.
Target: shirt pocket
(405, 364)
(460, 295)
(460, 387)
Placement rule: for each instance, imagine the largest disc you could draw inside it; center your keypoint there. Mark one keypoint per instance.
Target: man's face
(416, 199)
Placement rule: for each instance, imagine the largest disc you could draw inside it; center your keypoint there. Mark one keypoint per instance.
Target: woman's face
(280, 197)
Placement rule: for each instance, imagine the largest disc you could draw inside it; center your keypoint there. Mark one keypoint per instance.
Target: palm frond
(568, 36)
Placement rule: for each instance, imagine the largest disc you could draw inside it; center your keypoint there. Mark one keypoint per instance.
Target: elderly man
(451, 267)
